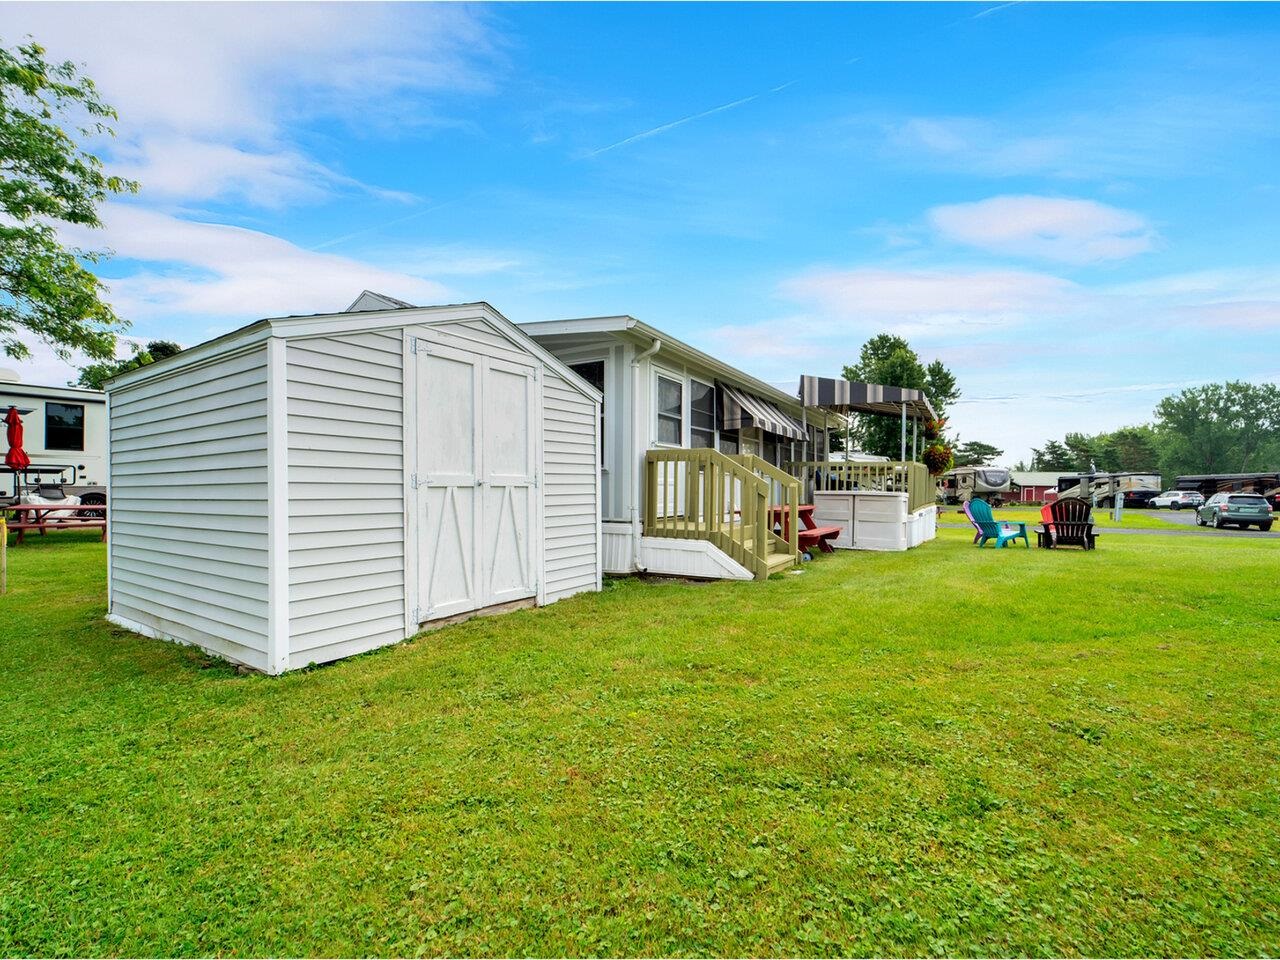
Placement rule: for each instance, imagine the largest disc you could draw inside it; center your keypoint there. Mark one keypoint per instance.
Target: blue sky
(1075, 206)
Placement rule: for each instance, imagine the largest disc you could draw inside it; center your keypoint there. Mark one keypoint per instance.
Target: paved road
(1186, 520)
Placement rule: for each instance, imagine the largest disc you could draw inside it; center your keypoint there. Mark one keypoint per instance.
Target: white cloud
(906, 299)
(45, 368)
(206, 91)
(212, 69)
(195, 269)
(1243, 298)
(179, 168)
(1047, 228)
(981, 146)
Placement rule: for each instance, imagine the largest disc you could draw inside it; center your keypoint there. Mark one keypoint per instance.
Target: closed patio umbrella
(16, 458)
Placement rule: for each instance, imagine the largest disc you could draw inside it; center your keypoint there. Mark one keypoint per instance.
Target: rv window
(63, 426)
(702, 415)
(670, 411)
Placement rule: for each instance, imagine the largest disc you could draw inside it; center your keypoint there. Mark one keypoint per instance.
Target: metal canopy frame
(853, 396)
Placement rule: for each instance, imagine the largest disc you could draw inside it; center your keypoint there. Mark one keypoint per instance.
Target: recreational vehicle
(64, 433)
(963, 484)
(1137, 489)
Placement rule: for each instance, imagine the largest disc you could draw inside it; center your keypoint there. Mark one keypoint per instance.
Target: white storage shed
(308, 488)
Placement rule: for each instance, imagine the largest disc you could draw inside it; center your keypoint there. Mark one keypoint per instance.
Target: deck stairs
(732, 502)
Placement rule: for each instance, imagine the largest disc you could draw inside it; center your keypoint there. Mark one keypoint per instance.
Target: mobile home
(694, 451)
(308, 488)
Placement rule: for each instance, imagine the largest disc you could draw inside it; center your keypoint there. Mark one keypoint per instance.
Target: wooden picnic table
(810, 534)
(40, 516)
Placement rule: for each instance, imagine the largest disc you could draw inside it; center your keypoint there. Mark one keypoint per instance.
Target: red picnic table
(54, 516)
(810, 534)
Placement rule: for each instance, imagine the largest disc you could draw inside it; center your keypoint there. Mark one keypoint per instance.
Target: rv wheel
(92, 499)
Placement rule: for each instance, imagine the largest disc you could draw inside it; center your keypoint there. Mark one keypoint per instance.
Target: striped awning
(739, 409)
(850, 396)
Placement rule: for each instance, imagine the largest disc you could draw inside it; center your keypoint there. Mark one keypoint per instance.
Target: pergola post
(903, 446)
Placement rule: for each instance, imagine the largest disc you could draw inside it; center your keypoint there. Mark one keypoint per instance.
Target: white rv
(64, 429)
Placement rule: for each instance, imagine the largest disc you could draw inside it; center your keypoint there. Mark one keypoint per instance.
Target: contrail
(990, 10)
(689, 119)
(386, 223)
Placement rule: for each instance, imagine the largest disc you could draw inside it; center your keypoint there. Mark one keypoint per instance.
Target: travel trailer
(1136, 489)
(65, 435)
(963, 484)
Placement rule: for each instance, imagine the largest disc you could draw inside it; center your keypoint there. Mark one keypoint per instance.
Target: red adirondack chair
(1067, 522)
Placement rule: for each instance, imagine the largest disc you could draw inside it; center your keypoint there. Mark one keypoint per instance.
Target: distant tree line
(1231, 427)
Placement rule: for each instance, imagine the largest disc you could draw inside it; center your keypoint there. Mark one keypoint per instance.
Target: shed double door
(476, 480)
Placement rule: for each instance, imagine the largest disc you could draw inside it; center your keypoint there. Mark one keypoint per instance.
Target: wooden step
(779, 561)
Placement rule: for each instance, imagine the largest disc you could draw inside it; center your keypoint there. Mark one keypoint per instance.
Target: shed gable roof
(353, 321)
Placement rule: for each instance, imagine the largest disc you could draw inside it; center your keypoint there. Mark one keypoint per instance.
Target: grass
(948, 751)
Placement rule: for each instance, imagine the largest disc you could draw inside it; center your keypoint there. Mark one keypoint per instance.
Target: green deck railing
(890, 477)
(702, 494)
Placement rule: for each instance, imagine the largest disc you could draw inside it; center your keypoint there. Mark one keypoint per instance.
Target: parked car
(1177, 499)
(1133, 499)
(1244, 510)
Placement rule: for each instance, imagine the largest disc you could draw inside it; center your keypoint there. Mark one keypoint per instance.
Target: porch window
(593, 373)
(670, 411)
(63, 426)
(769, 450)
(702, 415)
(729, 442)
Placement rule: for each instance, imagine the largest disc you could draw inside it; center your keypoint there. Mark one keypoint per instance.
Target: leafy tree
(1129, 450)
(975, 453)
(1219, 428)
(1084, 452)
(1052, 456)
(888, 359)
(95, 375)
(47, 178)
(940, 385)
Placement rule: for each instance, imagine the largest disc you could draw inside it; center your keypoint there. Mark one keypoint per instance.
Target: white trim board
(277, 507)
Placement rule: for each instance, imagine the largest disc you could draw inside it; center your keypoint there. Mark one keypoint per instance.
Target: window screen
(702, 415)
(670, 411)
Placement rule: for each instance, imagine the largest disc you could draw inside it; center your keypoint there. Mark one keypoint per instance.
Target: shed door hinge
(413, 481)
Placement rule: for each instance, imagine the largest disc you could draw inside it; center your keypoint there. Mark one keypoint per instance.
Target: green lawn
(944, 751)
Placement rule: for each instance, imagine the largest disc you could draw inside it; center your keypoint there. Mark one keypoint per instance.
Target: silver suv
(1177, 499)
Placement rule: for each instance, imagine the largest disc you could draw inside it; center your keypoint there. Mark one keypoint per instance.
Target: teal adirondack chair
(979, 514)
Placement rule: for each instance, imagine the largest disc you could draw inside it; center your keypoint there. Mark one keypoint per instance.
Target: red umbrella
(16, 458)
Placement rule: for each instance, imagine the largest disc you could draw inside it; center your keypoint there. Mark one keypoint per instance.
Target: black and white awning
(739, 409)
(850, 396)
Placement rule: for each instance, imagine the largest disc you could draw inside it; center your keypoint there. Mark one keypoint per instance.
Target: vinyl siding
(188, 495)
(346, 495)
(571, 489)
